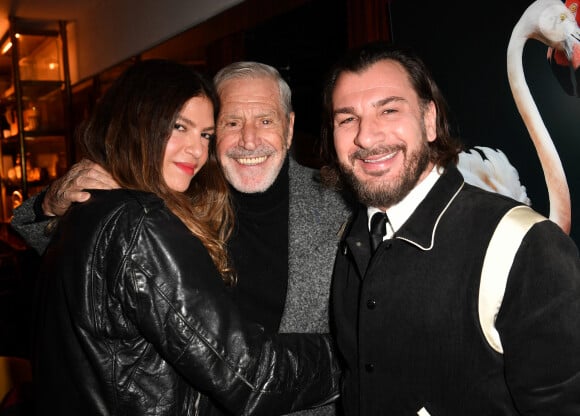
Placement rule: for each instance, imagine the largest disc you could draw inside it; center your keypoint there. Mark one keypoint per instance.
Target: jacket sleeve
(35, 231)
(179, 302)
(539, 324)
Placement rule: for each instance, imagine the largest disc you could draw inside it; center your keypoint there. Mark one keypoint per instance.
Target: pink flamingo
(552, 23)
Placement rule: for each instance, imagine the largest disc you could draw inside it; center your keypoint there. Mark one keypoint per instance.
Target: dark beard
(388, 194)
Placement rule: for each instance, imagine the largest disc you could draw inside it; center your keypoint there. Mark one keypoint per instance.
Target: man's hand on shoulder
(70, 187)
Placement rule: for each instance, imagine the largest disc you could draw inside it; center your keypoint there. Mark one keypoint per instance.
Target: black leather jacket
(135, 320)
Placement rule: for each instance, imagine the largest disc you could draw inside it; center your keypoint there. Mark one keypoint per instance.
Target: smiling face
(253, 133)
(187, 148)
(381, 133)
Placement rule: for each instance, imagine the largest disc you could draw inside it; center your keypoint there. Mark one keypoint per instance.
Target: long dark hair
(444, 149)
(127, 134)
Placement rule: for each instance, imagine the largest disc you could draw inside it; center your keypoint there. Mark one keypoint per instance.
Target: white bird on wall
(490, 169)
(552, 23)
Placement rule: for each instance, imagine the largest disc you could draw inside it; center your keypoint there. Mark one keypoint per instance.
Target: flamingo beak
(575, 60)
(575, 64)
(565, 63)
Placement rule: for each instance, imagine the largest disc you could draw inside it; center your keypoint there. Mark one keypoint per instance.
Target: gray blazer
(316, 218)
(35, 233)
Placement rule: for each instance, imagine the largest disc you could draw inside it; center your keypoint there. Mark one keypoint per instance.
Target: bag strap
(499, 257)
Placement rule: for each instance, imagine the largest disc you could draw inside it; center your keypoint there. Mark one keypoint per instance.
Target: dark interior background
(464, 47)
(302, 45)
(466, 51)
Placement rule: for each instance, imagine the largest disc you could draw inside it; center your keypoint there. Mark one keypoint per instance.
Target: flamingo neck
(558, 192)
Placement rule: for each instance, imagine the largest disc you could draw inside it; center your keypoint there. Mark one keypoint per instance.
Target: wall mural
(554, 24)
(503, 97)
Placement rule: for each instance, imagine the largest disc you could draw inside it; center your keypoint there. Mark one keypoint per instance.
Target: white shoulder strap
(499, 257)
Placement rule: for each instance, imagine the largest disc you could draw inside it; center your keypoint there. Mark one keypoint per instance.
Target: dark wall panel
(302, 44)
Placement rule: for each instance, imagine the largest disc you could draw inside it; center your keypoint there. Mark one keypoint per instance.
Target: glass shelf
(40, 58)
(34, 112)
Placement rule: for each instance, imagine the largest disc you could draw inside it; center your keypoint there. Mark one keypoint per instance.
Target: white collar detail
(399, 213)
